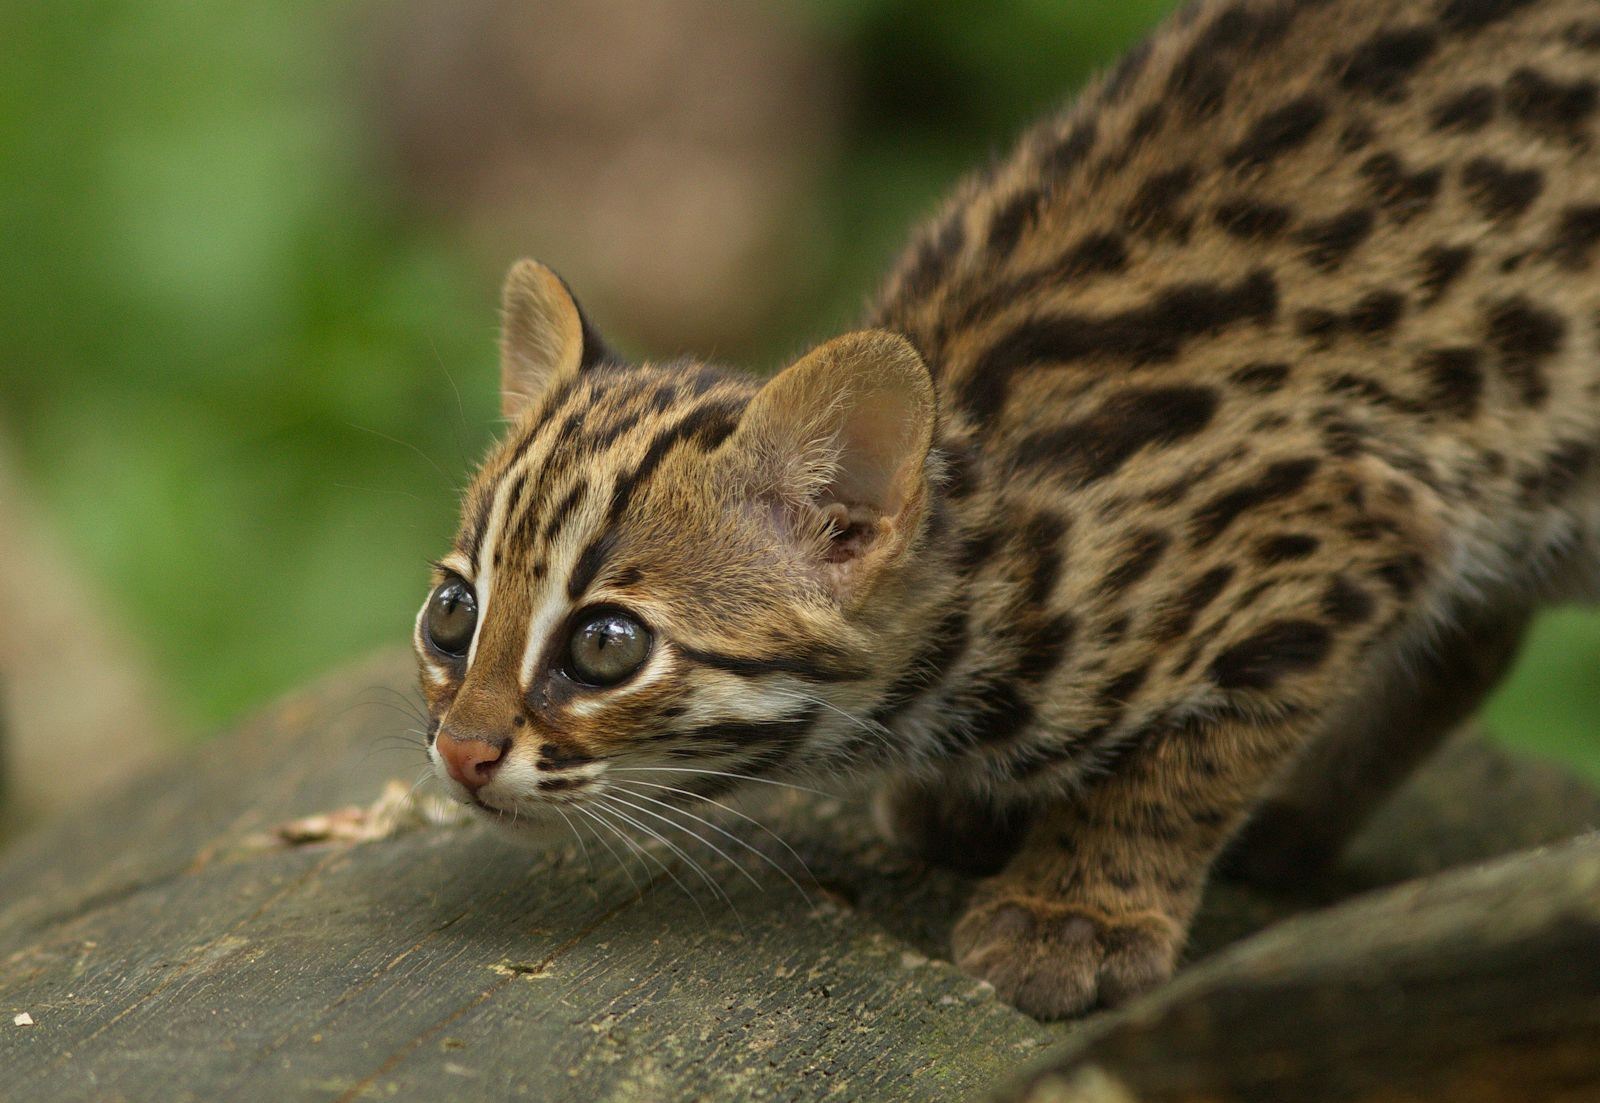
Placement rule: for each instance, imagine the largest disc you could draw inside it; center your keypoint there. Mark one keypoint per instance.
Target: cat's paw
(1056, 960)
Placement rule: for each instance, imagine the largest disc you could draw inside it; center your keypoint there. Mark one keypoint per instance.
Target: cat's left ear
(543, 335)
(842, 439)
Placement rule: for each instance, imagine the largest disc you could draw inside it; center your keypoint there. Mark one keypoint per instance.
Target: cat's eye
(451, 617)
(606, 647)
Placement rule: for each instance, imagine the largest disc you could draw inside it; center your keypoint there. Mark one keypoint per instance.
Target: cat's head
(670, 576)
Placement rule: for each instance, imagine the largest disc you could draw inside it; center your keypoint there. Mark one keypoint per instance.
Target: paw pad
(1054, 961)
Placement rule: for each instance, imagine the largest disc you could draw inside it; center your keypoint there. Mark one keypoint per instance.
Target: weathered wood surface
(161, 957)
(1478, 985)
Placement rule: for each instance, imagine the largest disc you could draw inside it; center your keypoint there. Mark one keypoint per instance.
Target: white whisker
(732, 811)
(691, 833)
(643, 853)
(427, 772)
(884, 735)
(754, 850)
(865, 725)
(717, 890)
(626, 872)
(718, 773)
(581, 845)
(448, 481)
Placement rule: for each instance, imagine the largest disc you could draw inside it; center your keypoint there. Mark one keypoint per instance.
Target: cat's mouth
(518, 797)
(523, 817)
(551, 794)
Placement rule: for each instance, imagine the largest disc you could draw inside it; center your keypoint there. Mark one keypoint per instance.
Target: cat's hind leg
(1372, 745)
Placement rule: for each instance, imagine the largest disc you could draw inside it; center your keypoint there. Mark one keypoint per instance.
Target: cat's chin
(536, 826)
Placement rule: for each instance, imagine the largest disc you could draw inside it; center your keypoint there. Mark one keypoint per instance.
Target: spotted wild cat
(1203, 462)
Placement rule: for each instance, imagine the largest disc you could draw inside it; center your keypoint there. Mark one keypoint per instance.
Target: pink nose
(472, 762)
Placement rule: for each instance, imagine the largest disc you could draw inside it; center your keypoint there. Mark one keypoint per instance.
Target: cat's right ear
(543, 335)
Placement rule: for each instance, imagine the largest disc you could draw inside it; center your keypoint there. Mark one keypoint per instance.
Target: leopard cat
(1199, 468)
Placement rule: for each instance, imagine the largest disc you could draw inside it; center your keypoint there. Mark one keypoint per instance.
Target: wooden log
(163, 953)
(1481, 986)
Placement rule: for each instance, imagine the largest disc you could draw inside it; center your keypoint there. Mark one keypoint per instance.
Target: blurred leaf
(247, 378)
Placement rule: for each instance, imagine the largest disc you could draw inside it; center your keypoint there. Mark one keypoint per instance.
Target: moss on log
(161, 954)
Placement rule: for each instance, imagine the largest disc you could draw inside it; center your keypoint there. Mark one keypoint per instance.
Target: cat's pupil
(452, 616)
(607, 647)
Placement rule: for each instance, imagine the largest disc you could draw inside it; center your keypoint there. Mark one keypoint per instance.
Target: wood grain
(163, 955)
(1480, 986)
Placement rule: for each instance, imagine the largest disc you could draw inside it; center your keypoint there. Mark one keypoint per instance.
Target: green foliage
(941, 87)
(1551, 704)
(230, 354)
(215, 318)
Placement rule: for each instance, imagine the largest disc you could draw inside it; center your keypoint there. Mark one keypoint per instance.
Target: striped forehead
(545, 511)
(592, 439)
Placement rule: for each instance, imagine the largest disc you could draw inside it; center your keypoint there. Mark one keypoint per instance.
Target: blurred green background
(251, 253)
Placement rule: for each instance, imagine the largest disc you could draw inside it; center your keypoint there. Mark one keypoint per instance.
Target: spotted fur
(1206, 456)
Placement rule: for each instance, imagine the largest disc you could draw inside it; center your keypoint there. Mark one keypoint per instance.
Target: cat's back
(1354, 225)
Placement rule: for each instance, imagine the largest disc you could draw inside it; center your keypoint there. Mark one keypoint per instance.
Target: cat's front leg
(1065, 929)
(1095, 906)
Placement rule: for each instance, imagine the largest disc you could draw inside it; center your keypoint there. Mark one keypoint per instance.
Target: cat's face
(670, 577)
